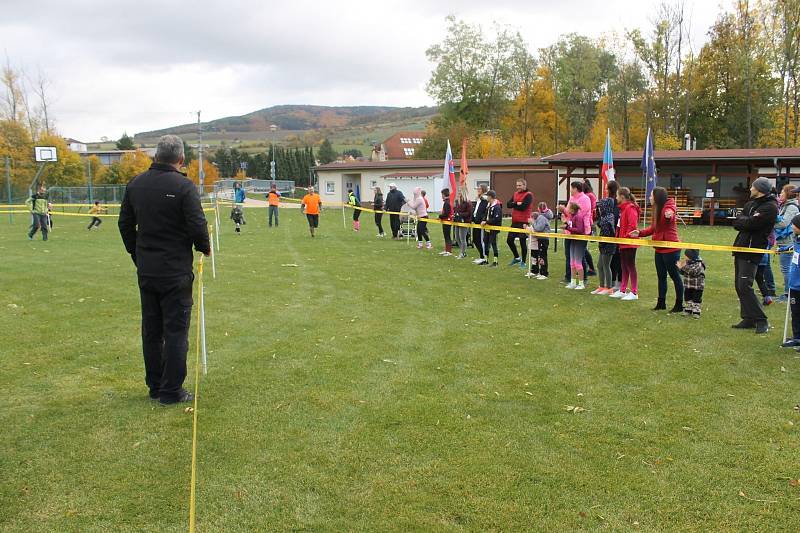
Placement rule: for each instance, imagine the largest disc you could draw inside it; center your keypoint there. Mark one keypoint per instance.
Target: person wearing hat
(693, 270)
(794, 286)
(394, 203)
(754, 225)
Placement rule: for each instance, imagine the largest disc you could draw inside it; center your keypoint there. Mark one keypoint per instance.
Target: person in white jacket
(417, 204)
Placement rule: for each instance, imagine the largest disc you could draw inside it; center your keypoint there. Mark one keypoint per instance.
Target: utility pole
(201, 175)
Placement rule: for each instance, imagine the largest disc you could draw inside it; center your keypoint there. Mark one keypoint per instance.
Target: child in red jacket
(628, 223)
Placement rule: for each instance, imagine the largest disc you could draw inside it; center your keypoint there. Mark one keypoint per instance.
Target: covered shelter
(708, 185)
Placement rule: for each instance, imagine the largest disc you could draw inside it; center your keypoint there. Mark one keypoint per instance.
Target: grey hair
(169, 150)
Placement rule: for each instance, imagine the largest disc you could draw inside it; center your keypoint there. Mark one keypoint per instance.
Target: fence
(110, 194)
(224, 187)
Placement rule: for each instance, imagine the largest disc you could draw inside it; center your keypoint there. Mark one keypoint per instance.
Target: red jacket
(665, 229)
(521, 205)
(628, 222)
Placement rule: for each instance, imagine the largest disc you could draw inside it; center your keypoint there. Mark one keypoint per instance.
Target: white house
(334, 179)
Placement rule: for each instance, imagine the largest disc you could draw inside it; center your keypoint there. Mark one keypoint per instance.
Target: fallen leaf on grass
(391, 362)
(687, 428)
(189, 410)
(574, 409)
(290, 265)
(529, 393)
(783, 369)
(794, 482)
(746, 497)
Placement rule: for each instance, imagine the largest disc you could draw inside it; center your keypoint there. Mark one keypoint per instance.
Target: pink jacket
(584, 212)
(418, 204)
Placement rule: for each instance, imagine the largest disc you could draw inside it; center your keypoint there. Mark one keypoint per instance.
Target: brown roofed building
(403, 144)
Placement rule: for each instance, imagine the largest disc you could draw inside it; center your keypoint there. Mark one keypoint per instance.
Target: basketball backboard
(45, 154)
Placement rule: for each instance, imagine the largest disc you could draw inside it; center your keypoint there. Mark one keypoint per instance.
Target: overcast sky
(137, 66)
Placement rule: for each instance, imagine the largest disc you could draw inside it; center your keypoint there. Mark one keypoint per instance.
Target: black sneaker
(153, 394)
(762, 327)
(744, 324)
(791, 343)
(184, 396)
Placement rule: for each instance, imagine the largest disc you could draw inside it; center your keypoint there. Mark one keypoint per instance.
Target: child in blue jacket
(794, 287)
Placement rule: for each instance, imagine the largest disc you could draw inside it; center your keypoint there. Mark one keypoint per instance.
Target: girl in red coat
(664, 227)
(628, 223)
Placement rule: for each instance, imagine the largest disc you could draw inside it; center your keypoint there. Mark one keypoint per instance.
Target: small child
(794, 287)
(540, 223)
(493, 217)
(238, 218)
(96, 209)
(693, 270)
(575, 225)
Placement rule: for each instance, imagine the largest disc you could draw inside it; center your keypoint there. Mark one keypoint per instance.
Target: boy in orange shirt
(311, 205)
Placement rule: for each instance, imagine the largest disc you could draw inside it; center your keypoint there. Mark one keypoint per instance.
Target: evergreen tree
(125, 143)
(326, 153)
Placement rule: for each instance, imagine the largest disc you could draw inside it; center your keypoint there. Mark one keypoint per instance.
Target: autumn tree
(210, 172)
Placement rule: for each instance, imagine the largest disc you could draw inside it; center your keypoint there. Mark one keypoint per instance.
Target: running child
(238, 217)
(96, 209)
(310, 205)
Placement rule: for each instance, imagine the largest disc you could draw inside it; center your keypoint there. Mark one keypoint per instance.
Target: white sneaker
(429, 246)
(580, 286)
(478, 261)
(530, 275)
(596, 291)
(541, 276)
(446, 254)
(481, 262)
(629, 297)
(570, 285)
(617, 294)
(442, 253)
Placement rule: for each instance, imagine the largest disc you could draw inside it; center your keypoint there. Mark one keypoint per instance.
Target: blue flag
(358, 193)
(649, 167)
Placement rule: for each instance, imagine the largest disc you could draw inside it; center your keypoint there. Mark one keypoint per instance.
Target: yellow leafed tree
(210, 171)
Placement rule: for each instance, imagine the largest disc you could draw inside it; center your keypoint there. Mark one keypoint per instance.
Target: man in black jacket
(754, 224)
(394, 202)
(160, 219)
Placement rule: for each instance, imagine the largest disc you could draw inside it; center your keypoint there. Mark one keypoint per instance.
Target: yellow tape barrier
(193, 483)
(590, 238)
(60, 214)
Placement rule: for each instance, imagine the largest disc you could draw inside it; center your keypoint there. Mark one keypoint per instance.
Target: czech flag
(449, 173)
(607, 170)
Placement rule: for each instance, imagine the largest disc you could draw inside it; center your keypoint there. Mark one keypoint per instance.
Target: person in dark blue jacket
(494, 217)
(794, 287)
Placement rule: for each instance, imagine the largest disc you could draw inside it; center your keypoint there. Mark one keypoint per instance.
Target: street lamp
(273, 128)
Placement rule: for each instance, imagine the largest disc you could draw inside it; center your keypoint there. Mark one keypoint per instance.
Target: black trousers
(523, 242)
(750, 308)
(794, 301)
(616, 267)
(394, 223)
(668, 264)
(95, 222)
(422, 231)
(356, 214)
(477, 239)
(539, 257)
(166, 315)
(446, 232)
(490, 242)
(378, 222)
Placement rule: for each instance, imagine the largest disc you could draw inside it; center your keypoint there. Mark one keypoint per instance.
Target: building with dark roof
(402, 145)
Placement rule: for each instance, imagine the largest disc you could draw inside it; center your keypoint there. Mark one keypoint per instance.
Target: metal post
(203, 328)
(786, 320)
(8, 189)
(213, 261)
(89, 174)
(201, 175)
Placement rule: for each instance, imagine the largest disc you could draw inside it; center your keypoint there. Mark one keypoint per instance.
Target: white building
(334, 179)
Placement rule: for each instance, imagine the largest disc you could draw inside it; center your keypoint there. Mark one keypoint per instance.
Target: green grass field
(375, 387)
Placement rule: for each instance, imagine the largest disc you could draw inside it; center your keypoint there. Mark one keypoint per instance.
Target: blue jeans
(668, 264)
(273, 210)
(785, 262)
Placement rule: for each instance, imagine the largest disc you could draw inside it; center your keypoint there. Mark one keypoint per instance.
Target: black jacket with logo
(394, 200)
(755, 223)
(160, 219)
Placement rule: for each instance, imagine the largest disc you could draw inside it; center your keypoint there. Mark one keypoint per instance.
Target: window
(349, 185)
(373, 184)
(330, 187)
(417, 140)
(408, 151)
